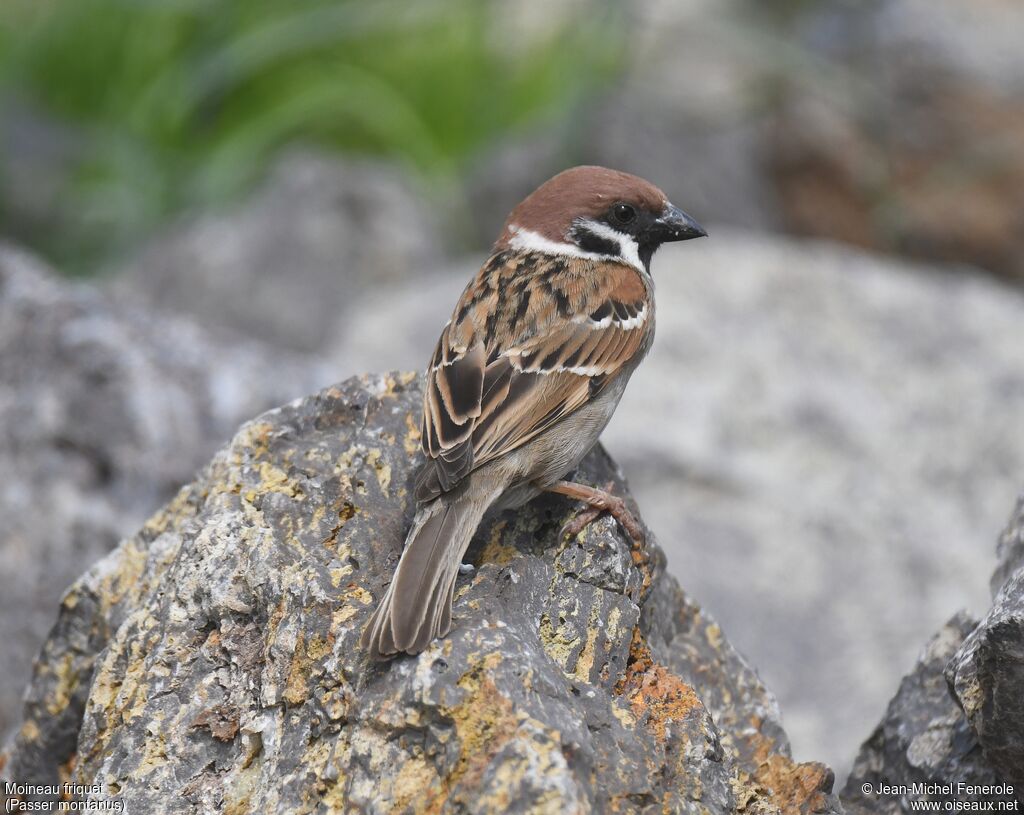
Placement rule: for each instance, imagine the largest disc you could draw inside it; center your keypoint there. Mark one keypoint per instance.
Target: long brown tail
(418, 604)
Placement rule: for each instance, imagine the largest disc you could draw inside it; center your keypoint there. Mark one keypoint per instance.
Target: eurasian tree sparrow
(526, 375)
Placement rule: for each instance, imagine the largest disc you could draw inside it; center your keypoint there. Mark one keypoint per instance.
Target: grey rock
(105, 410)
(38, 156)
(924, 738)
(801, 405)
(987, 672)
(211, 662)
(1010, 549)
(288, 264)
(956, 718)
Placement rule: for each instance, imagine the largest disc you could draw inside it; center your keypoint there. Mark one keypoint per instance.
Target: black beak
(675, 225)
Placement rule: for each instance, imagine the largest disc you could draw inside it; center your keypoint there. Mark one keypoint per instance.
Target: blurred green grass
(175, 104)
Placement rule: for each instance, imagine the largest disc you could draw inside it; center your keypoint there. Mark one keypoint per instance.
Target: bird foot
(598, 501)
(579, 522)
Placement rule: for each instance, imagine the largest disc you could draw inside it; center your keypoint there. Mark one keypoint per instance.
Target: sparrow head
(599, 213)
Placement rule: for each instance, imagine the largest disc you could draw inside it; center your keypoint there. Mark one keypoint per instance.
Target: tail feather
(417, 606)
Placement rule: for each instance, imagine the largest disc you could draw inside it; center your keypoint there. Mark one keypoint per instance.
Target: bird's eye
(623, 213)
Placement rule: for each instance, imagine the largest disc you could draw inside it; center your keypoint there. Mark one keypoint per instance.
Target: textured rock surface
(303, 249)
(211, 661)
(814, 426)
(987, 673)
(957, 716)
(1010, 549)
(105, 410)
(923, 738)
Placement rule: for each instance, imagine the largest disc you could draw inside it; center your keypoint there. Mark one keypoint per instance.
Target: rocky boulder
(957, 717)
(105, 410)
(303, 248)
(987, 672)
(211, 661)
(814, 426)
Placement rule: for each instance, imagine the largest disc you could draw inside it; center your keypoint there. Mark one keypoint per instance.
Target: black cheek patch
(598, 244)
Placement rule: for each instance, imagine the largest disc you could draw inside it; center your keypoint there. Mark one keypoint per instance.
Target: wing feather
(494, 384)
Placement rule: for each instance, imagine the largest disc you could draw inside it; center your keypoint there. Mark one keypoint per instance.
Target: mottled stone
(106, 409)
(957, 717)
(304, 248)
(987, 672)
(212, 662)
(1010, 549)
(923, 738)
(904, 129)
(802, 405)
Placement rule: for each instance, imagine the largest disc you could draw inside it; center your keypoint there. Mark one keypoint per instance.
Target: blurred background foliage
(181, 103)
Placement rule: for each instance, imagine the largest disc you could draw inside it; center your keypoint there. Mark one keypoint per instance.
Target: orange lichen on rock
(654, 692)
(796, 789)
(221, 720)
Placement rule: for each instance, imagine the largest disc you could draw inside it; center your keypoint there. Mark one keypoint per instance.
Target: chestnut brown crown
(596, 211)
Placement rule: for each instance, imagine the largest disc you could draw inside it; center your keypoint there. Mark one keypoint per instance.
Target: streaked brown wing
(550, 378)
(484, 397)
(451, 402)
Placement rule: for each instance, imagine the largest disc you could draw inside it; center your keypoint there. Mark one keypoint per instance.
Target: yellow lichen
(381, 468)
(67, 683)
(307, 653)
(131, 562)
(413, 436)
(611, 625)
(497, 552)
(272, 479)
(356, 599)
(625, 717)
(170, 515)
(558, 646)
(29, 730)
(154, 753)
(714, 635)
(414, 778)
(317, 516)
(296, 686)
(253, 438)
(585, 663)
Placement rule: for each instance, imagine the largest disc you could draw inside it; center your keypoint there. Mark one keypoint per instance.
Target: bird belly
(548, 458)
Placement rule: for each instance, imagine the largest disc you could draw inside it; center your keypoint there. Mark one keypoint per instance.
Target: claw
(575, 525)
(599, 502)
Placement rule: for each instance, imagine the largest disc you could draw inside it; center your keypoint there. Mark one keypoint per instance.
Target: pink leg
(598, 501)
